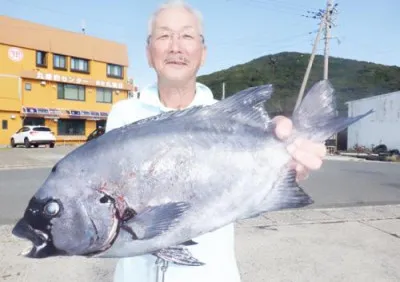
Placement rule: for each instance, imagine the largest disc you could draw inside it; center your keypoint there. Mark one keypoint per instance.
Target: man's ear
(204, 55)
(149, 57)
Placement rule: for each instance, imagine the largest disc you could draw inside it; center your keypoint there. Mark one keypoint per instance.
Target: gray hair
(175, 4)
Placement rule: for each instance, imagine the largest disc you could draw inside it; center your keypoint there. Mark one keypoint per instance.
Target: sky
(236, 31)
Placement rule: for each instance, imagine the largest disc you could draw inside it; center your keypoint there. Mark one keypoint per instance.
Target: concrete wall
(381, 127)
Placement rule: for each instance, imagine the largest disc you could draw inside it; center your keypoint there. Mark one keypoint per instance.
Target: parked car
(96, 133)
(33, 135)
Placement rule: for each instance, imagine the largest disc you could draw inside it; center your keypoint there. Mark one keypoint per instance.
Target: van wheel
(26, 143)
(51, 145)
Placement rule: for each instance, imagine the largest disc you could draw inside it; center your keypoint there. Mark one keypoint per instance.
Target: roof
(374, 97)
(25, 34)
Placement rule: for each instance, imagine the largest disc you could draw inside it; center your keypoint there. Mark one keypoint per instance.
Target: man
(176, 50)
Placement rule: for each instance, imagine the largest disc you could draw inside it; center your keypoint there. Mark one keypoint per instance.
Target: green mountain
(351, 79)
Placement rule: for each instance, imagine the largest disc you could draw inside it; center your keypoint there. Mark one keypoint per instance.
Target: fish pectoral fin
(155, 220)
(287, 194)
(189, 243)
(178, 255)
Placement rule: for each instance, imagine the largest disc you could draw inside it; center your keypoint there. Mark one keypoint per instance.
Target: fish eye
(106, 199)
(51, 208)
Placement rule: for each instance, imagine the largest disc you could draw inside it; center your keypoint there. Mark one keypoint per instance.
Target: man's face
(176, 50)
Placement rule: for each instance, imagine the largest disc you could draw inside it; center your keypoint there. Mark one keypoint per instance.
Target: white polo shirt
(216, 249)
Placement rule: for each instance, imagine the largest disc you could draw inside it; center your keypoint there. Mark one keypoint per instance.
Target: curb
(355, 159)
(324, 215)
(343, 158)
(12, 167)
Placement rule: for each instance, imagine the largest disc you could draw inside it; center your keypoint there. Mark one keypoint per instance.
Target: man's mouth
(42, 244)
(176, 63)
(179, 62)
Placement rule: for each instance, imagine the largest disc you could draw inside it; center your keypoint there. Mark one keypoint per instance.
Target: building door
(100, 123)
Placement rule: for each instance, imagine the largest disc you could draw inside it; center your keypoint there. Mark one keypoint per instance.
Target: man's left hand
(307, 155)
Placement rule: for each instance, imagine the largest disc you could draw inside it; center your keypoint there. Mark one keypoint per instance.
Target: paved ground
(15, 158)
(359, 243)
(341, 244)
(337, 183)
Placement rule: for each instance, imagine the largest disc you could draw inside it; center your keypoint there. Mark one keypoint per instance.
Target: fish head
(68, 217)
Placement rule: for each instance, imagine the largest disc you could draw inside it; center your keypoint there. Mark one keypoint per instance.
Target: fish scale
(170, 178)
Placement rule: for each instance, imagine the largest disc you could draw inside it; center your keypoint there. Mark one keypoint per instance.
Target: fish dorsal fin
(245, 107)
(250, 97)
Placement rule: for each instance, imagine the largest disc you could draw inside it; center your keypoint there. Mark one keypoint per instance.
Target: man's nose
(175, 45)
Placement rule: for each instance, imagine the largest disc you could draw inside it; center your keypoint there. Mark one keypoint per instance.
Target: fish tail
(317, 118)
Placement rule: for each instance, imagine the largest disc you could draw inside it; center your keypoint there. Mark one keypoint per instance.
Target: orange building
(65, 80)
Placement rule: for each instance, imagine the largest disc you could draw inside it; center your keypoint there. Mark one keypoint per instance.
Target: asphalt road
(337, 183)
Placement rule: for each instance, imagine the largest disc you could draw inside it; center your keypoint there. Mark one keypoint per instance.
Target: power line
(285, 4)
(233, 58)
(274, 8)
(69, 15)
(247, 40)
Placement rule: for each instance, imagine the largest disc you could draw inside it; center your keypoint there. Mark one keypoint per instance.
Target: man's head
(175, 47)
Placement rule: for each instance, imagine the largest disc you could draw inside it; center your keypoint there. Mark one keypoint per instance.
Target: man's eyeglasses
(186, 36)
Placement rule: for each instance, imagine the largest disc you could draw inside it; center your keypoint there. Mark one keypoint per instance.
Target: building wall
(10, 93)
(10, 105)
(381, 127)
(10, 122)
(25, 85)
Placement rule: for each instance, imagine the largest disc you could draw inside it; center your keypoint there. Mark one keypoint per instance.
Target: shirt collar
(149, 95)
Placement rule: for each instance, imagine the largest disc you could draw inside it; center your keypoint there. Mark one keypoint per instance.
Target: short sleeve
(115, 118)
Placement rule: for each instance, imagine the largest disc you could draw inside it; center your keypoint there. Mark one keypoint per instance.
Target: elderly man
(176, 50)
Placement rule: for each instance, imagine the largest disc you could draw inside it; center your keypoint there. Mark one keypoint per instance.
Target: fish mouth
(42, 244)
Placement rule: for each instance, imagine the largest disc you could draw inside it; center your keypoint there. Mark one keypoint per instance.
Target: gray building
(381, 127)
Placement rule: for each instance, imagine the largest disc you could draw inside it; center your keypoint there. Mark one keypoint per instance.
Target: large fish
(154, 185)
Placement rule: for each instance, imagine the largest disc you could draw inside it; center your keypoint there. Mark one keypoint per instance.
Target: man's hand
(307, 155)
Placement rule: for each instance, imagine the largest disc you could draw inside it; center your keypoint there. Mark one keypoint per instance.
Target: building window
(33, 121)
(71, 127)
(4, 124)
(59, 62)
(41, 59)
(115, 71)
(71, 92)
(79, 65)
(103, 95)
(28, 86)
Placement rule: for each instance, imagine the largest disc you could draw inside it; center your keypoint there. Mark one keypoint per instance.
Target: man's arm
(115, 118)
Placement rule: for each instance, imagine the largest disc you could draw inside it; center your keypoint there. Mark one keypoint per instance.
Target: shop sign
(15, 54)
(60, 78)
(75, 80)
(62, 112)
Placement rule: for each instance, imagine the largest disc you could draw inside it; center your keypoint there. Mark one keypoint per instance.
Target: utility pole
(310, 62)
(326, 21)
(223, 90)
(83, 27)
(327, 36)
